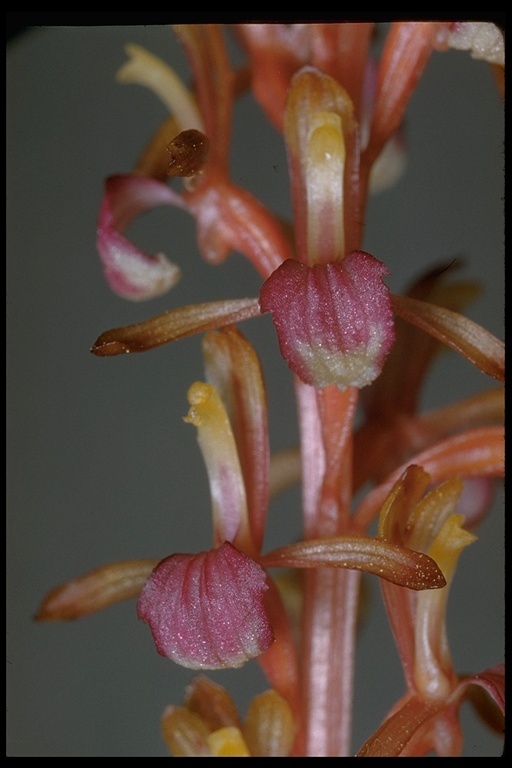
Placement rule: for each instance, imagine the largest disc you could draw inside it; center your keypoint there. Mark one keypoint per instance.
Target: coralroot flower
(340, 330)
(208, 610)
(228, 218)
(427, 717)
(182, 599)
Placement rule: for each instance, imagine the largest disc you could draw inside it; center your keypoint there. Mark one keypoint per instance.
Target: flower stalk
(358, 354)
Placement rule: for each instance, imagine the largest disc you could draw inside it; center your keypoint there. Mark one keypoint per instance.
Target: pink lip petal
(206, 611)
(334, 321)
(130, 272)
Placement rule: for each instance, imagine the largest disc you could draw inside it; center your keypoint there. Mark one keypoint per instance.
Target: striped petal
(333, 321)
(206, 611)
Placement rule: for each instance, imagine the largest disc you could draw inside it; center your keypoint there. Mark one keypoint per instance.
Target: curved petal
(129, 271)
(232, 365)
(399, 565)
(220, 455)
(206, 611)
(475, 501)
(322, 143)
(458, 332)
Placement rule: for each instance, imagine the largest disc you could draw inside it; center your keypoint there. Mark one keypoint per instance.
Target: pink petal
(206, 610)
(334, 321)
(131, 272)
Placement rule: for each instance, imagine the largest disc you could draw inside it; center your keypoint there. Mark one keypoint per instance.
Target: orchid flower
(426, 718)
(322, 134)
(348, 341)
(220, 608)
(195, 147)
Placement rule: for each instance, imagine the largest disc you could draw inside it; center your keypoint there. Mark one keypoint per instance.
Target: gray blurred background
(101, 466)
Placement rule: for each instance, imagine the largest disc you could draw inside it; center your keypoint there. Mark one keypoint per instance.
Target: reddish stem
(330, 597)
